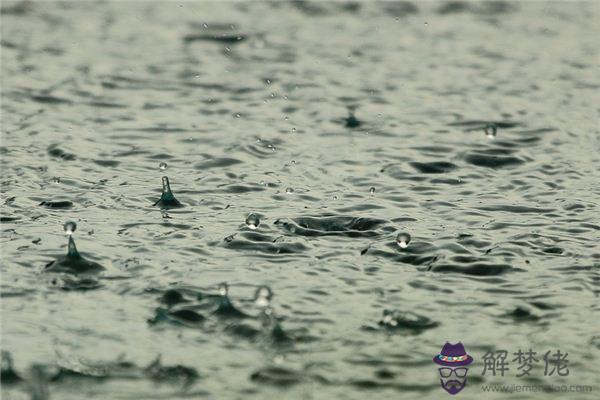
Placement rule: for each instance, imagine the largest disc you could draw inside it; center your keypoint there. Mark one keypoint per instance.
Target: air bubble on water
(162, 166)
(372, 190)
(223, 289)
(389, 318)
(289, 190)
(490, 131)
(403, 239)
(252, 221)
(70, 227)
(263, 296)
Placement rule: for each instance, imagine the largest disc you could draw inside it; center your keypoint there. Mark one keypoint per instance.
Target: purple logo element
(453, 372)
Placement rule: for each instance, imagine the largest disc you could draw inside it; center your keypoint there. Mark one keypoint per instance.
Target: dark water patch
(8, 375)
(47, 99)
(475, 269)
(75, 284)
(263, 245)
(516, 209)
(553, 250)
(332, 226)
(474, 125)
(284, 377)
(172, 297)
(57, 152)
(521, 314)
(5, 219)
(19, 8)
(57, 204)
(393, 321)
(399, 8)
(436, 167)
(240, 189)
(225, 38)
(216, 163)
(492, 161)
(180, 316)
(107, 163)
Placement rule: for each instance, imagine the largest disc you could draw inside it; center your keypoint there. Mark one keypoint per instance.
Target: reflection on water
(370, 179)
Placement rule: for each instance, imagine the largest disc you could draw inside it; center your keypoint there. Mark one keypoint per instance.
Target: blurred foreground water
(360, 182)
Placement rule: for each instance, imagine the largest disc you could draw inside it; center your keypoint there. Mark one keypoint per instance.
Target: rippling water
(339, 126)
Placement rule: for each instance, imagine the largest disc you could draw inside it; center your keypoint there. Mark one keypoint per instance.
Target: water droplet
(205, 25)
(162, 166)
(389, 318)
(403, 239)
(70, 227)
(372, 190)
(56, 179)
(252, 221)
(293, 130)
(223, 289)
(238, 115)
(490, 130)
(289, 190)
(263, 296)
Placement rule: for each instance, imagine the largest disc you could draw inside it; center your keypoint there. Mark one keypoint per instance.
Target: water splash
(403, 239)
(252, 221)
(263, 296)
(72, 262)
(167, 199)
(69, 227)
(490, 130)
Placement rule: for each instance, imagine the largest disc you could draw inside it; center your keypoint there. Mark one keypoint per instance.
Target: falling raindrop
(162, 166)
(490, 131)
(252, 221)
(70, 227)
(223, 289)
(263, 296)
(403, 239)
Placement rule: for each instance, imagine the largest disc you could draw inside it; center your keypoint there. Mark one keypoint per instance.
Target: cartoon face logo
(453, 360)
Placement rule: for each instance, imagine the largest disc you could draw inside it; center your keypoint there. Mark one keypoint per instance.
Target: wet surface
(398, 174)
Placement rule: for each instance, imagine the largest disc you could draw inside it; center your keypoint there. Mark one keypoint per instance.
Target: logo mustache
(453, 383)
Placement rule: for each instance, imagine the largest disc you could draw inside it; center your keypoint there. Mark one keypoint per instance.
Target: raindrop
(223, 289)
(70, 227)
(403, 239)
(388, 318)
(252, 221)
(372, 190)
(162, 166)
(490, 130)
(289, 190)
(263, 296)
(293, 130)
